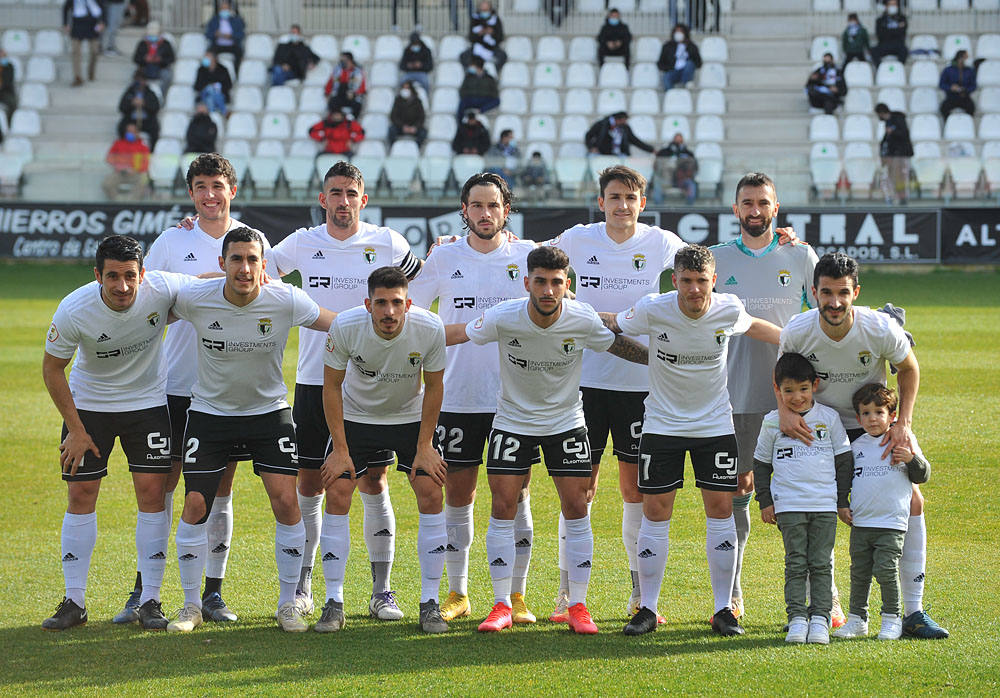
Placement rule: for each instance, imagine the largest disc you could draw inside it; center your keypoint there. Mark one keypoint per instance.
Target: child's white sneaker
(855, 626)
(798, 629)
(892, 627)
(819, 631)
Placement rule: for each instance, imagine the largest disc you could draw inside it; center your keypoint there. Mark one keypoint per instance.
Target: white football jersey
(773, 284)
(240, 349)
(335, 275)
(880, 491)
(804, 477)
(687, 363)
(383, 384)
(540, 367)
(187, 252)
(118, 367)
(855, 360)
(467, 283)
(611, 277)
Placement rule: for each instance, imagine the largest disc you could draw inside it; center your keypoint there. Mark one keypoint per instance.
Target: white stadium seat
(584, 49)
(645, 75)
(959, 126)
(451, 47)
(579, 101)
(858, 74)
(16, 42)
(678, 101)
(280, 98)
(613, 76)
(544, 100)
(711, 101)
(259, 47)
(925, 127)
(923, 100)
(519, 46)
(276, 125)
(956, 42)
(858, 101)
(25, 122)
(388, 47)
(646, 48)
(989, 127)
(192, 45)
(857, 127)
(383, 73)
(987, 46)
(541, 127)
(644, 101)
(444, 100)
(824, 151)
(714, 49)
(988, 73)
(572, 129)
(709, 128)
(712, 75)
(611, 101)
(248, 99)
(889, 74)
(824, 127)
(675, 124)
(580, 75)
(892, 97)
(358, 46)
(550, 48)
(824, 44)
(515, 74)
(49, 42)
(513, 100)
(922, 74)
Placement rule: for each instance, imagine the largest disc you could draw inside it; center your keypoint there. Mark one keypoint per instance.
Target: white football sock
(741, 516)
(913, 565)
(192, 548)
(151, 552)
(579, 554)
(312, 519)
(379, 526)
(335, 545)
(79, 536)
(461, 528)
(168, 508)
(432, 541)
(219, 530)
(652, 548)
(720, 546)
(563, 576)
(500, 553)
(288, 544)
(631, 520)
(524, 536)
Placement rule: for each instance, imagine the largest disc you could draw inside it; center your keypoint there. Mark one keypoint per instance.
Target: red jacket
(337, 138)
(129, 156)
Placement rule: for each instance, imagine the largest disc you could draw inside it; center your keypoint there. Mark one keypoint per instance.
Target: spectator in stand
(212, 84)
(896, 151)
(675, 166)
(292, 59)
(535, 173)
(485, 35)
(202, 131)
(679, 58)
(83, 20)
(338, 133)
(138, 13)
(614, 38)
(225, 33)
(826, 87)
(890, 29)
(611, 135)
(8, 86)
(504, 158)
(416, 63)
(347, 86)
(471, 137)
(854, 40)
(958, 82)
(407, 116)
(139, 105)
(479, 89)
(154, 55)
(114, 13)
(129, 160)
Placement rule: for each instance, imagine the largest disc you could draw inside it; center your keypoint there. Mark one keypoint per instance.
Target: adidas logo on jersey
(103, 338)
(359, 360)
(813, 357)
(70, 557)
(190, 257)
(663, 337)
(158, 556)
(514, 343)
(457, 274)
(647, 553)
(451, 548)
(585, 565)
(438, 550)
(291, 552)
(593, 260)
(731, 281)
(383, 532)
(187, 556)
(330, 556)
(319, 255)
(861, 454)
(220, 548)
(523, 543)
(215, 326)
(725, 546)
(498, 563)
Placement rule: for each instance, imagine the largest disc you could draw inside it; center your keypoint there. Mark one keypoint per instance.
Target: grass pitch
(954, 317)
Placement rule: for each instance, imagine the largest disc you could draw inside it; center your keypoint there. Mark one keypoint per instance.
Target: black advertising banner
(970, 236)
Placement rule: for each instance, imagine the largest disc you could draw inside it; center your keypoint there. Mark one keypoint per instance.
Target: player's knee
(197, 506)
(310, 482)
(149, 492)
(373, 481)
(429, 500)
(82, 496)
(503, 510)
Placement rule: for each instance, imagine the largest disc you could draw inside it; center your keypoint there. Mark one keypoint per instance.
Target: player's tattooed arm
(630, 350)
(610, 321)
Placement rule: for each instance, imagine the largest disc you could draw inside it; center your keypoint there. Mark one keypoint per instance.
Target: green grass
(955, 319)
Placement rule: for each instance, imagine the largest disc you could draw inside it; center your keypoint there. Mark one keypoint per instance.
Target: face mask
(415, 47)
(4, 61)
(892, 9)
(852, 25)
(471, 70)
(130, 137)
(678, 37)
(206, 63)
(152, 38)
(225, 14)
(405, 94)
(484, 15)
(613, 21)
(296, 38)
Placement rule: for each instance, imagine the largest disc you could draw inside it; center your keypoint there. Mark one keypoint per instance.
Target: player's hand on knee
(187, 222)
(793, 426)
(334, 466)
(844, 514)
(767, 515)
(787, 236)
(73, 449)
(432, 464)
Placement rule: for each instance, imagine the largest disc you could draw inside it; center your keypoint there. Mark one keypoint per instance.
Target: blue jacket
(239, 29)
(950, 76)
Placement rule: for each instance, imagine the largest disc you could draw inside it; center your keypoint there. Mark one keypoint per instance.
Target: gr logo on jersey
(465, 302)
(415, 358)
(152, 319)
(369, 255)
(784, 278)
(569, 345)
(53, 333)
(520, 363)
(638, 262)
(513, 271)
(821, 431)
(865, 357)
(264, 326)
(590, 282)
(720, 337)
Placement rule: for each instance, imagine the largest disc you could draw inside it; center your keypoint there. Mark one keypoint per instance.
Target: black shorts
(661, 462)
(144, 436)
(367, 444)
(854, 434)
(311, 430)
(209, 439)
(462, 438)
(178, 407)
(566, 454)
(617, 411)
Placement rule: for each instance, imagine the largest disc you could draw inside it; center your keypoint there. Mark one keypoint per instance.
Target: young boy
(803, 489)
(880, 509)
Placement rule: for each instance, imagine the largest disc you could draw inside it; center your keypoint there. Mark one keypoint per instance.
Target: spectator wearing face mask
(958, 81)
(140, 105)
(292, 59)
(129, 160)
(471, 137)
(8, 88)
(826, 87)
(225, 33)
(154, 55)
(504, 158)
(347, 86)
(854, 40)
(679, 58)
(338, 133)
(485, 35)
(407, 116)
(479, 89)
(614, 39)
(416, 62)
(890, 28)
(212, 84)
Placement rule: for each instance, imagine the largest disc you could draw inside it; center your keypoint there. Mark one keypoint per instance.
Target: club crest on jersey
(569, 345)
(638, 262)
(720, 337)
(555, 241)
(53, 333)
(630, 313)
(264, 326)
(329, 343)
(784, 277)
(865, 357)
(513, 271)
(821, 431)
(479, 323)
(369, 255)
(152, 319)
(415, 358)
